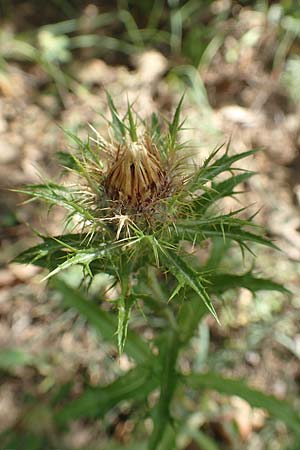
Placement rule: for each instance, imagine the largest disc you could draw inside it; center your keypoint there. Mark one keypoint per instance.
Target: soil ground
(235, 96)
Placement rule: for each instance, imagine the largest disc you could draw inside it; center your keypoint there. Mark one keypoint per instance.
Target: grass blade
(168, 381)
(135, 385)
(104, 322)
(280, 409)
(221, 282)
(118, 125)
(175, 125)
(191, 312)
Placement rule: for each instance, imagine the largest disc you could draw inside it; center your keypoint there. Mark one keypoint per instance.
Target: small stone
(49, 103)
(8, 152)
(22, 272)
(150, 65)
(252, 358)
(95, 72)
(242, 116)
(6, 277)
(280, 389)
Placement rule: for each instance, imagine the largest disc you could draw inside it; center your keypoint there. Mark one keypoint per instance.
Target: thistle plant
(138, 210)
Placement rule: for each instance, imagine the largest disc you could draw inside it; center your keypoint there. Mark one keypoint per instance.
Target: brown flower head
(136, 176)
(138, 173)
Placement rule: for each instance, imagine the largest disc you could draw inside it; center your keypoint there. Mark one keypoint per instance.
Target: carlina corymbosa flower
(139, 203)
(140, 171)
(140, 217)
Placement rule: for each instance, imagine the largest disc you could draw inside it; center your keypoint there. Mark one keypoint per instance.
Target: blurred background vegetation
(239, 64)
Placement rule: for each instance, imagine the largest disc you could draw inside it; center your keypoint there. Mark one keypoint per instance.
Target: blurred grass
(189, 33)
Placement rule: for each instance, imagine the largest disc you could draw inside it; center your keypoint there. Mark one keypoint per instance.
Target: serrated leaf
(56, 194)
(37, 254)
(55, 251)
(218, 191)
(198, 230)
(217, 253)
(124, 308)
(84, 258)
(224, 163)
(186, 274)
(67, 160)
(280, 409)
(191, 313)
(211, 169)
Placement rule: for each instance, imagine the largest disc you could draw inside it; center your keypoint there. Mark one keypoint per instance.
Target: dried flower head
(139, 173)
(136, 176)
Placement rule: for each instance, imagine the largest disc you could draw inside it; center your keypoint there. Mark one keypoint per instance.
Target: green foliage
(104, 323)
(135, 386)
(278, 408)
(149, 254)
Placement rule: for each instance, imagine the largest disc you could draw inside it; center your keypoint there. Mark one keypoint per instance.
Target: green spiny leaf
(184, 273)
(189, 317)
(197, 231)
(56, 194)
(67, 160)
(84, 257)
(50, 245)
(219, 190)
(211, 169)
(125, 304)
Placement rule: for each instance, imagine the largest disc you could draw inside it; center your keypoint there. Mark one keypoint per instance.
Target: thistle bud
(135, 176)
